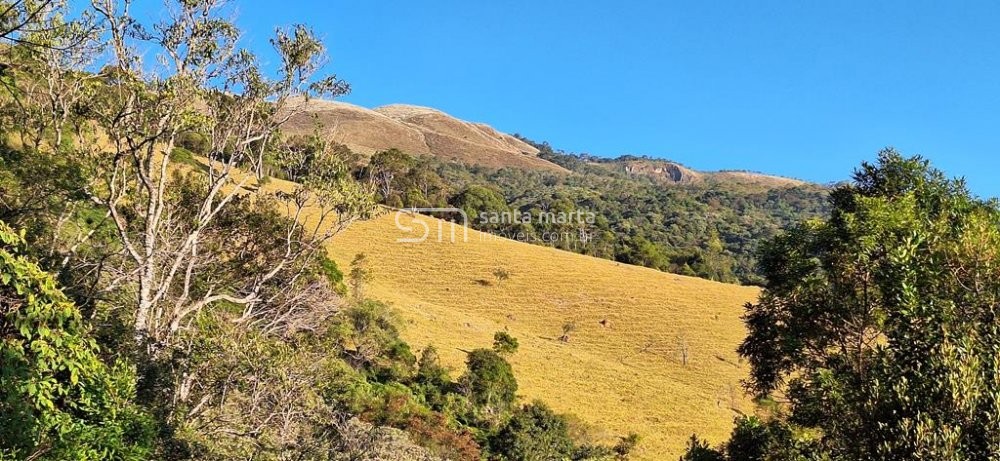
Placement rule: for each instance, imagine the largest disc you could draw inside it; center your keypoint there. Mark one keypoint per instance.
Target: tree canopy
(878, 325)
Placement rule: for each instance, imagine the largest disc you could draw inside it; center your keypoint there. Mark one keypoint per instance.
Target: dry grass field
(622, 369)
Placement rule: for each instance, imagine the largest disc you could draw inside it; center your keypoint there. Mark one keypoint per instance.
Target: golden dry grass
(623, 377)
(417, 131)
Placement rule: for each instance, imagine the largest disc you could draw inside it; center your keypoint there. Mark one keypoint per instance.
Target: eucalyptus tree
(189, 74)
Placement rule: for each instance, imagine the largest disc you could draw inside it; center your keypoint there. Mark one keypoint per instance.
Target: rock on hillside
(669, 172)
(418, 131)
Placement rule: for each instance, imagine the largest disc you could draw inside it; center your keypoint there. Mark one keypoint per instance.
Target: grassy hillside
(623, 375)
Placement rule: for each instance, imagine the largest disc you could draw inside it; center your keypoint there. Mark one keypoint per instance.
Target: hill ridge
(416, 130)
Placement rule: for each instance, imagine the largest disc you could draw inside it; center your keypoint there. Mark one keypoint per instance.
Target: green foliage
(58, 400)
(489, 382)
(361, 274)
(534, 432)
(370, 338)
(879, 324)
(386, 170)
(698, 450)
(299, 158)
(194, 142)
(710, 230)
(476, 200)
(333, 275)
(504, 344)
(35, 186)
(184, 156)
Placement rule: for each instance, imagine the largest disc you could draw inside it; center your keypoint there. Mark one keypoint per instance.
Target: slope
(621, 370)
(417, 131)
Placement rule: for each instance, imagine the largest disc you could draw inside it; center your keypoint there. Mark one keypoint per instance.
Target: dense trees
(706, 230)
(878, 325)
(534, 432)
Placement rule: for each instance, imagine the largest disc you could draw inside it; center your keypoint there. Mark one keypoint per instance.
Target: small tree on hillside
(683, 348)
(489, 383)
(361, 274)
(501, 274)
(504, 344)
(429, 368)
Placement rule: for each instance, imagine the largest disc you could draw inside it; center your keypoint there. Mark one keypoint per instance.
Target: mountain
(417, 131)
(667, 172)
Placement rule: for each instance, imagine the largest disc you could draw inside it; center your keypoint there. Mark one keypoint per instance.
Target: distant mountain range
(420, 130)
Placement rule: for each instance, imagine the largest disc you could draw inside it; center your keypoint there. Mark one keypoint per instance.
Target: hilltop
(418, 131)
(668, 172)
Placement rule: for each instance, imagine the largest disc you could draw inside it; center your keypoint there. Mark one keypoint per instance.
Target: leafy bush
(184, 156)
(534, 432)
(504, 343)
(58, 400)
(193, 141)
(489, 383)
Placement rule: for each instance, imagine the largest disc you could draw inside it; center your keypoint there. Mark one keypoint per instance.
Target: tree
(429, 368)
(489, 382)
(58, 400)
(383, 170)
(879, 323)
(360, 275)
(204, 83)
(698, 450)
(534, 432)
(371, 334)
(475, 200)
(504, 344)
(47, 73)
(21, 20)
(501, 274)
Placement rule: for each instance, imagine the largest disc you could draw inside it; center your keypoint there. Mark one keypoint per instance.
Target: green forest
(711, 230)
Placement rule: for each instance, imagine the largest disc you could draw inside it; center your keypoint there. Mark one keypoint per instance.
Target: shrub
(333, 275)
(698, 450)
(193, 141)
(533, 432)
(504, 344)
(489, 381)
(57, 399)
(184, 156)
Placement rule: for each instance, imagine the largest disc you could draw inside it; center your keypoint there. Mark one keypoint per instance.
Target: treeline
(705, 230)
(159, 300)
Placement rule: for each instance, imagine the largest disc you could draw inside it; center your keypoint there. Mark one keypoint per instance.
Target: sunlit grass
(622, 367)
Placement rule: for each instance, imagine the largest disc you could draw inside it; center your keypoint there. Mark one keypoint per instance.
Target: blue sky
(806, 89)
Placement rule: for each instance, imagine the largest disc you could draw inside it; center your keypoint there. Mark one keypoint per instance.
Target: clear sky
(798, 88)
